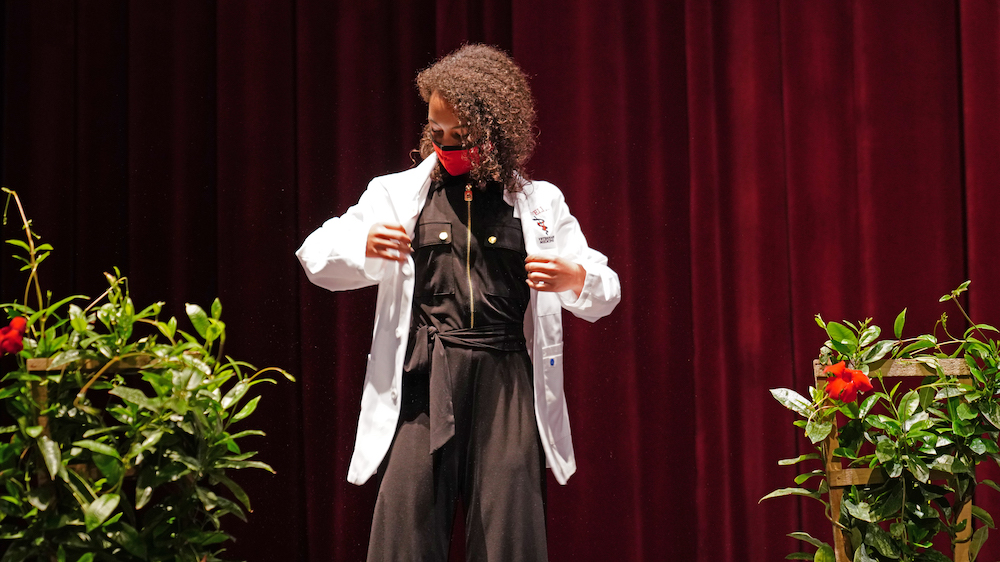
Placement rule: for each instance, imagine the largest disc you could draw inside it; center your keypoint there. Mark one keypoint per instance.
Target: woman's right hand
(388, 241)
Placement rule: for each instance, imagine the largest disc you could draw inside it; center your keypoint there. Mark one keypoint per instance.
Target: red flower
(844, 384)
(10, 336)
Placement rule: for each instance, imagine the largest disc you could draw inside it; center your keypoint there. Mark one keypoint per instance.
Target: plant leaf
(789, 492)
(897, 326)
(879, 350)
(867, 405)
(817, 429)
(978, 538)
(129, 538)
(881, 541)
(53, 457)
(991, 412)
(885, 451)
(806, 476)
(237, 490)
(786, 462)
(42, 496)
(249, 432)
(99, 510)
(983, 515)
(97, 447)
(967, 412)
(917, 346)
(246, 410)
(791, 400)
(247, 464)
(825, 554)
(861, 555)
(198, 318)
(870, 334)
(236, 393)
(859, 510)
(908, 404)
(819, 321)
(803, 536)
(841, 334)
(918, 469)
(134, 396)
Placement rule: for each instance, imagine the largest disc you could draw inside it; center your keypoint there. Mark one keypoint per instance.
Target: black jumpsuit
(467, 426)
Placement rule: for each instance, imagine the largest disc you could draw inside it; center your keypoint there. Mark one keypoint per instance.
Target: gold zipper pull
(468, 192)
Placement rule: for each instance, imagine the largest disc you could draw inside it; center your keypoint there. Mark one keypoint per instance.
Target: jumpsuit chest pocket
(503, 251)
(433, 254)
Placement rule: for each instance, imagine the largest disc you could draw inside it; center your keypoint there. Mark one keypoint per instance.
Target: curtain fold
(744, 164)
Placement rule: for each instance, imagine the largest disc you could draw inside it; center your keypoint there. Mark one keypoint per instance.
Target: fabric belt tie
(428, 355)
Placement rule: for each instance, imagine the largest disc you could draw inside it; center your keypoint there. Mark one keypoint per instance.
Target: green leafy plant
(122, 440)
(925, 442)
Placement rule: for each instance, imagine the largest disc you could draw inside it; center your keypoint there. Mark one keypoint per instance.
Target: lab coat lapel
(404, 201)
(523, 210)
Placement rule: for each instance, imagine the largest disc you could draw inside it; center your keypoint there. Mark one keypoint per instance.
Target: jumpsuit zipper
(468, 254)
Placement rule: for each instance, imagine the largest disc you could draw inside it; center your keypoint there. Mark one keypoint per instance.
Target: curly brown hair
(490, 95)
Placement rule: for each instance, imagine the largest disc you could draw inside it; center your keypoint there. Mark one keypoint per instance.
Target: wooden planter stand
(840, 478)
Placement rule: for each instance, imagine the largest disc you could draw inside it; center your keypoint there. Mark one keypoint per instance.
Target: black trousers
(494, 464)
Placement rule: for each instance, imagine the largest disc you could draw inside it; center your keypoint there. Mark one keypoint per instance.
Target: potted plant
(922, 444)
(121, 442)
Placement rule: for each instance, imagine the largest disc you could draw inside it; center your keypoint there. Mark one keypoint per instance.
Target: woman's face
(446, 127)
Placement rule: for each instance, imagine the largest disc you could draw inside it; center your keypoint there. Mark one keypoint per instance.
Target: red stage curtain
(744, 164)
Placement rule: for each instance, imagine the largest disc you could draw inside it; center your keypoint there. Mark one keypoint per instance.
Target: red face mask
(455, 159)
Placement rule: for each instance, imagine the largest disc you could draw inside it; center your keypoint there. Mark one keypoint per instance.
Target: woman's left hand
(553, 273)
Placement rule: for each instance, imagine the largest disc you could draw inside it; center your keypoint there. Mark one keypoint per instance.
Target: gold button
(492, 239)
(443, 236)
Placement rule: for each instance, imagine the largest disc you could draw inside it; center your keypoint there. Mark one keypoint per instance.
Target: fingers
(550, 268)
(394, 232)
(541, 258)
(554, 274)
(388, 241)
(543, 285)
(544, 273)
(393, 252)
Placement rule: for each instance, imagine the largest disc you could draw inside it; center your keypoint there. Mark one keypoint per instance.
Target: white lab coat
(334, 258)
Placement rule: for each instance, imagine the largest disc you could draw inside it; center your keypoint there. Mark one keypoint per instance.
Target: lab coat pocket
(552, 372)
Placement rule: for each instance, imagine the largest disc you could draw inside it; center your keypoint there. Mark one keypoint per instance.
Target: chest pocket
(503, 251)
(433, 259)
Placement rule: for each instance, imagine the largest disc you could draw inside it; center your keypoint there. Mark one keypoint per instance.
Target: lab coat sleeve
(601, 288)
(333, 256)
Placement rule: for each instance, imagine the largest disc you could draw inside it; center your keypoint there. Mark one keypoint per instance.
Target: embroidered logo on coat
(541, 224)
(548, 239)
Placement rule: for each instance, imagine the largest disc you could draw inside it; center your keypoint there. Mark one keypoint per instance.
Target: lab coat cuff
(571, 301)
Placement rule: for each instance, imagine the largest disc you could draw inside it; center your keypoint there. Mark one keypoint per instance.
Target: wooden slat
(844, 478)
(42, 365)
(907, 368)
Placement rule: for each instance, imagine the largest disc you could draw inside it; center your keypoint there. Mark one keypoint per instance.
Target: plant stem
(104, 294)
(971, 323)
(83, 391)
(33, 276)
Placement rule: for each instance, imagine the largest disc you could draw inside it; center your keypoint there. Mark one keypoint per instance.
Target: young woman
(463, 396)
